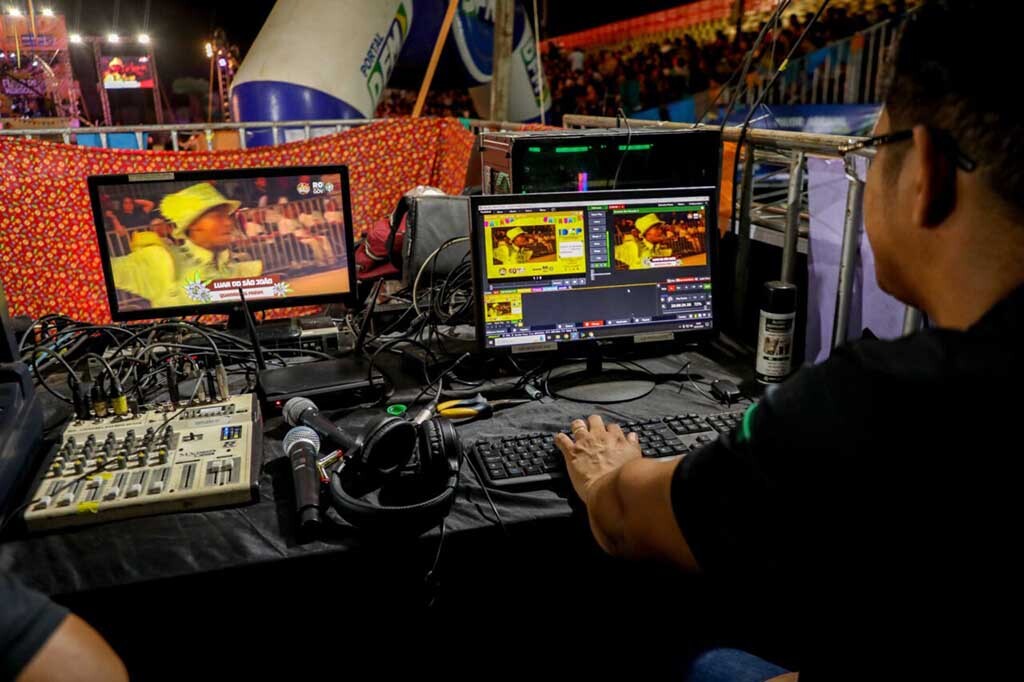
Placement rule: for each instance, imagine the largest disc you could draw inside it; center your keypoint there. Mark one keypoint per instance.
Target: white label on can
(775, 344)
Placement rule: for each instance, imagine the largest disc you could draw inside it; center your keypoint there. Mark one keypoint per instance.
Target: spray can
(775, 332)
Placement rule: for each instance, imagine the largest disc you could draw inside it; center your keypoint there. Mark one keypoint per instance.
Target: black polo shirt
(874, 501)
(27, 620)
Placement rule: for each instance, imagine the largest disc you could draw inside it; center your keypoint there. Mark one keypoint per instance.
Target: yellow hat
(513, 233)
(184, 208)
(647, 222)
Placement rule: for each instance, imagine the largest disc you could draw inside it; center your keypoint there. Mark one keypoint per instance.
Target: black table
(222, 575)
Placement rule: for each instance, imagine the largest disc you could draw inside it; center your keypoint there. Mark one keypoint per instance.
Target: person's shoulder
(859, 378)
(148, 251)
(915, 356)
(145, 239)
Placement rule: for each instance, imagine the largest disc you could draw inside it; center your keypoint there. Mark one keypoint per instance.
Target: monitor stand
(598, 385)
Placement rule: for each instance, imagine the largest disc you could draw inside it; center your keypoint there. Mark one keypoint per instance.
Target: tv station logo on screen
(318, 187)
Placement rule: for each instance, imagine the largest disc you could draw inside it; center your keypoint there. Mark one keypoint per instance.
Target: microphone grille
(298, 434)
(294, 408)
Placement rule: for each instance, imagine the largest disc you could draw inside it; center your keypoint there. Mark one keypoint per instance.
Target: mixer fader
(164, 459)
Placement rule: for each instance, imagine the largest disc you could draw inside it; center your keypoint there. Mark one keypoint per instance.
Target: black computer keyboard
(532, 459)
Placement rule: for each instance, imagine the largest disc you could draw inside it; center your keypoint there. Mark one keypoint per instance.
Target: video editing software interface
(557, 270)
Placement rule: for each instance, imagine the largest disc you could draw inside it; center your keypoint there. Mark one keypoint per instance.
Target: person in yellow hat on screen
(514, 248)
(637, 253)
(173, 275)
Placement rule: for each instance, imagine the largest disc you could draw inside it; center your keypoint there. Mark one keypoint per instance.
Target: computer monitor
(526, 162)
(176, 244)
(564, 270)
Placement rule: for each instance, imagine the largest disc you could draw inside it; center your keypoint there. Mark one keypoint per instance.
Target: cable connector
(222, 382)
(118, 400)
(98, 398)
(79, 398)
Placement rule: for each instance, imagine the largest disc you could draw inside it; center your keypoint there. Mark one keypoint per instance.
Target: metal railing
(193, 136)
(786, 216)
(846, 72)
(179, 134)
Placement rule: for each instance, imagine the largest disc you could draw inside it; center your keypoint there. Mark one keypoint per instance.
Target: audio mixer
(166, 459)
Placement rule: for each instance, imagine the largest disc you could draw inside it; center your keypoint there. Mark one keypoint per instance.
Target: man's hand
(594, 451)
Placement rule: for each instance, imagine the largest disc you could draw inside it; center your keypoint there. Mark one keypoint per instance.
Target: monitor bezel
(598, 196)
(95, 182)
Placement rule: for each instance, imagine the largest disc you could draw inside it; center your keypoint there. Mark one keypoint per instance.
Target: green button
(397, 410)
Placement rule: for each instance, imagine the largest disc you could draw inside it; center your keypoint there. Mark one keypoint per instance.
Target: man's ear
(935, 190)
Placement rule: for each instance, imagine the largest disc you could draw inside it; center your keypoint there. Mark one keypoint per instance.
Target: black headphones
(400, 477)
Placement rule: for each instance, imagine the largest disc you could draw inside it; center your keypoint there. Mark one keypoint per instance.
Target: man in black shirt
(41, 641)
(872, 498)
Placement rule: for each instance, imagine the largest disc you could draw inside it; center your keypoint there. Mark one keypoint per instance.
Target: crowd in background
(651, 75)
(647, 75)
(456, 103)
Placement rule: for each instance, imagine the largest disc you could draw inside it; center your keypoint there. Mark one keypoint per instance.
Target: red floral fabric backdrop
(49, 258)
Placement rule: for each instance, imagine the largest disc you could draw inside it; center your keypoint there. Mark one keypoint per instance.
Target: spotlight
(47, 12)
(209, 51)
(113, 38)
(143, 60)
(222, 62)
(144, 38)
(76, 38)
(14, 11)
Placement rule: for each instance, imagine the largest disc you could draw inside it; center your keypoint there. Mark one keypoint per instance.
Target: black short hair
(953, 68)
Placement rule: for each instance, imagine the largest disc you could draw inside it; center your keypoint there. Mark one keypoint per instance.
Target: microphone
(384, 445)
(304, 411)
(302, 445)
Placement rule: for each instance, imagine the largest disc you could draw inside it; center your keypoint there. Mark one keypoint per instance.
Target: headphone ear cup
(387, 446)
(440, 454)
(440, 449)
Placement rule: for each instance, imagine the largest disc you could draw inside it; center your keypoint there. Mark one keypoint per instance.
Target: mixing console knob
(120, 461)
(130, 433)
(162, 455)
(100, 461)
(57, 468)
(87, 451)
(79, 466)
(70, 443)
(91, 439)
(111, 493)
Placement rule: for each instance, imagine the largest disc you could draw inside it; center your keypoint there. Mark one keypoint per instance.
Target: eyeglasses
(875, 142)
(963, 162)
